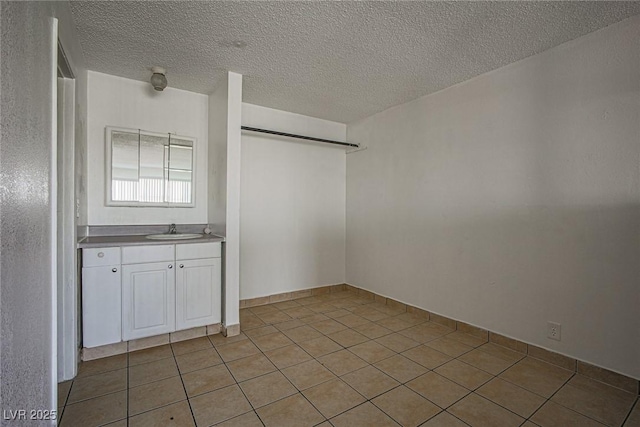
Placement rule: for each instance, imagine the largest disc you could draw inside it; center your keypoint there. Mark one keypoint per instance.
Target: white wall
(28, 227)
(225, 110)
(116, 101)
(231, 311)
(67, 291)
(69, 330)
(224, 183)
(217, 164)
(292, 215)
(71, 45)
(513, 199)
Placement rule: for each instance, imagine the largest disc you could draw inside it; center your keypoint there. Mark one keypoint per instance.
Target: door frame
(65, 195)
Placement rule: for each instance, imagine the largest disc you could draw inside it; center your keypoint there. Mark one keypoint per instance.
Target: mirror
(149, 169)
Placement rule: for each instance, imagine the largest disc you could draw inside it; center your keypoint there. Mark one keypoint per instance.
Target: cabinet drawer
(98, 257)
(198, 250)
(141, 254)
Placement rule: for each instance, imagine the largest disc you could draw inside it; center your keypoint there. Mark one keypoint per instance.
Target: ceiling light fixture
(158, 79)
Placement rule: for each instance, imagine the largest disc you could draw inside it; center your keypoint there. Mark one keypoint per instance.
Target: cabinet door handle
(115, 270)
(100, 254)
(181, 265)
(170, 266)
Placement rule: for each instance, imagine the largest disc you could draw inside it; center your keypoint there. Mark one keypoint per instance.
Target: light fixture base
(158, 70)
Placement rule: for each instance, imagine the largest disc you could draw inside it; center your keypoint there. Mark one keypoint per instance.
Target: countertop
(140, 240)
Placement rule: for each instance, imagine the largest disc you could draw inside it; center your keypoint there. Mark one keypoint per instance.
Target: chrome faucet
(172, 229)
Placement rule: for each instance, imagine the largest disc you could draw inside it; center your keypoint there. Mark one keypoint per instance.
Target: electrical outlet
(554, 330)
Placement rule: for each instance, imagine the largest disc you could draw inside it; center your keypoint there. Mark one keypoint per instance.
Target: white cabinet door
(101, 306)
(198, 293)
(148, 299)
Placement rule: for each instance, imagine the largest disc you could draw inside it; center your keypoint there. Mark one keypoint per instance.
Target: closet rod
(292, 135)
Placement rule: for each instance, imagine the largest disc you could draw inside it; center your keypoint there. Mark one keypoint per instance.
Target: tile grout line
(452, 358)
(83, 401)
(174, 358)
(255, 410)
(524, 419)
(424, 397)
(370, 400)
(548, 399)
(127, 395)
(184, 387)
(474, 391)
(502, 406)
(159, 380)
(389, 415)
(395, 353)
(64, 405)
(511, 364)
(336, 377)
(636, 404)
(431, 417)
(320, 316)
(311, 403)
(449, 413)
(316, 359)
(526, 389)
(485, 371)
(447, 408)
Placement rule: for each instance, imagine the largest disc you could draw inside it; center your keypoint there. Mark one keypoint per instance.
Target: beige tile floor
(337, 360)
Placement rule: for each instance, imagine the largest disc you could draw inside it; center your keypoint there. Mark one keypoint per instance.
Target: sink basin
(177, 236)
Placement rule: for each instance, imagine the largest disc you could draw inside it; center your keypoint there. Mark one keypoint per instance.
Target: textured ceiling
(340, 61)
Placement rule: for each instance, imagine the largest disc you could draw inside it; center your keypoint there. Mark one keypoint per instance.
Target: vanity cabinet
(148, 300)
(101, 304)
(134, 292)
(198, 285)
(148, 291)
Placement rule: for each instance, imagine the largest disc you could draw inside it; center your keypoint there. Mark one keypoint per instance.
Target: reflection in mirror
(124, 166)
(150, 168)
(151, 182)
(179, 170)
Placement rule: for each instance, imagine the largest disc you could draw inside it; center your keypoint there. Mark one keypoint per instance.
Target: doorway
(67, 283)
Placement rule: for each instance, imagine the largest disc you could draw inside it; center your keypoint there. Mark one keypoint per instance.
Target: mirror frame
(108, 170)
